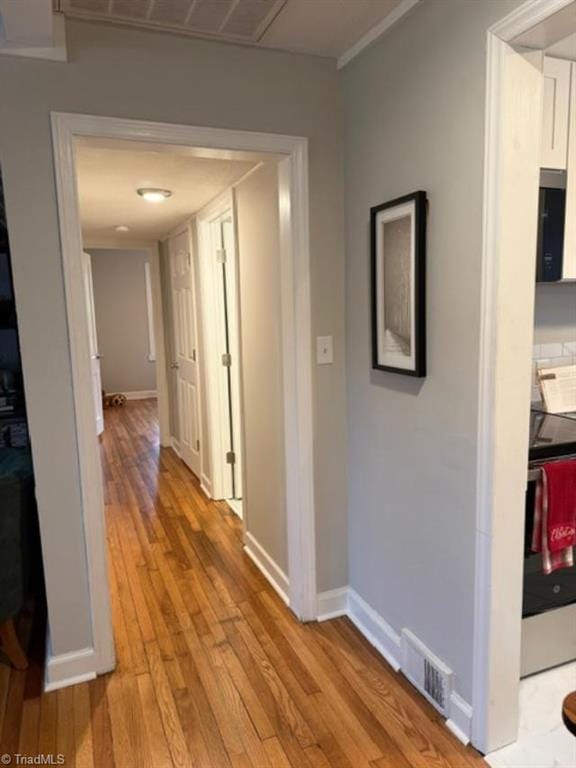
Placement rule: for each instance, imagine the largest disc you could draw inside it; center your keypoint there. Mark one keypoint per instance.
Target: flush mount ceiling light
(122, 228)
(154, 194)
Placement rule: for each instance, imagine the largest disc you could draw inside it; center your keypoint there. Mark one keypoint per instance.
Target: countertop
(551, 435)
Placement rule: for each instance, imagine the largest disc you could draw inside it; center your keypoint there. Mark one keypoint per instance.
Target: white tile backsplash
(554, 349)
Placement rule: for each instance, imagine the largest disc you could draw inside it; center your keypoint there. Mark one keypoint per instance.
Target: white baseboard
(142, 394)
(236, 507)
(175, 446)
(460, 718)
(267, 566)
(375, 629)
(206, 485)
(71, 668)
(347, 602)
(332, 604)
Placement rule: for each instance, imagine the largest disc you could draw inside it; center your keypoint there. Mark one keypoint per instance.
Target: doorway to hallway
(297, 577)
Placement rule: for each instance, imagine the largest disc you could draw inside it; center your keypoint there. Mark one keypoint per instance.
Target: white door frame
(296, 345)
(496, 655)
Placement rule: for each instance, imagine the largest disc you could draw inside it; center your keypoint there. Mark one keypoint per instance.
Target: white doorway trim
(296, 345)
(499, 557)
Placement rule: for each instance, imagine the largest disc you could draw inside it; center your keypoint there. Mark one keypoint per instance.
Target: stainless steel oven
(549, 602)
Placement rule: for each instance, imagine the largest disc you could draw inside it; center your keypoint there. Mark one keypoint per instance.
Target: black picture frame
(398, 284)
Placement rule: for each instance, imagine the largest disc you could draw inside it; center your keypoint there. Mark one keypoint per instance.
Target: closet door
(185, 363)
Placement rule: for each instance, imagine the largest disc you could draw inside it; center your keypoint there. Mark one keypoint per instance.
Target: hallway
(213, 670)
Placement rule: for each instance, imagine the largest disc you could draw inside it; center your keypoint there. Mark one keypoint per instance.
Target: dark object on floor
(113, 401)
(11, 645)
(569, 712)
(20, 563)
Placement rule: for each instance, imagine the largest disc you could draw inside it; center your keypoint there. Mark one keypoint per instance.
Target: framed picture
(398, 255)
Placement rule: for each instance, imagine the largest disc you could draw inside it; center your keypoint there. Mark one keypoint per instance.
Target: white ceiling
(565, 49)
(322, 27)
(26, 22)
(110, 172)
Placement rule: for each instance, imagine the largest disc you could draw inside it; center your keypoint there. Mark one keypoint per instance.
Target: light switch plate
(324, 350)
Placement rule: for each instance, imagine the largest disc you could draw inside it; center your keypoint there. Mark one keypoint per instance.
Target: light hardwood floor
(213, 670)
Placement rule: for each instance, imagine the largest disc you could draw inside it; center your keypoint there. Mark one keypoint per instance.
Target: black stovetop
(551, 435)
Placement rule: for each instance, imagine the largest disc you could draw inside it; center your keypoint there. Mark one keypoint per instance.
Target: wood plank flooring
(213, 670)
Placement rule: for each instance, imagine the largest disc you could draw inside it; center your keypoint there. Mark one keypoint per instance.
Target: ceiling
(26, 22)
(321, 27)
(565, 49)
(551, 32)
(110, 172)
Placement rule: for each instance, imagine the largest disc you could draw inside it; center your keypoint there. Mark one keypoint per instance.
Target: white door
(229, 283)
(93, 341)
(185, 363)
(221, 327)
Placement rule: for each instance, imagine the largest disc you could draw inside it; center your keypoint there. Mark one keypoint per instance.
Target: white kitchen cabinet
(557, 86)
(569, 261)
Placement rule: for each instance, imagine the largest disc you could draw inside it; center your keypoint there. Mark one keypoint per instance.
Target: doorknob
(98, 357)
(175, 366)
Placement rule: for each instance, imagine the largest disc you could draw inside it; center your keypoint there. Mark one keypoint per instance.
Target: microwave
(551, 222)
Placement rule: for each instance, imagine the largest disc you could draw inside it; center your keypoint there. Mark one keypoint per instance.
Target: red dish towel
(554, 533)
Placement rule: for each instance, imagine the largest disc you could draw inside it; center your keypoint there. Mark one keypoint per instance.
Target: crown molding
(377, 31)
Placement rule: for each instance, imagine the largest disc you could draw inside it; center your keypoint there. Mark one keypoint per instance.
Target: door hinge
(221, 256)
(230, 457)
(193, 355)
(226, 360)
(197, 445)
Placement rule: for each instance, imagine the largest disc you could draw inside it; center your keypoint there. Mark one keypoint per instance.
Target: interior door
(229, 283)
(93, 341)
(185, 363)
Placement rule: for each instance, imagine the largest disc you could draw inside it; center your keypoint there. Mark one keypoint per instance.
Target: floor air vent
(430, 675)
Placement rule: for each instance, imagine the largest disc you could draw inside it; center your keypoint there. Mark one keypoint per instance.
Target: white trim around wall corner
(267, 566)
(488, 705)
(69, 669)
(374, 34)
(141, 394)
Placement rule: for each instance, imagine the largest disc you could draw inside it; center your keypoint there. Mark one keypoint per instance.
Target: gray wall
(122, 319)
(147, 75)
(261, 339)
(414, 112)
